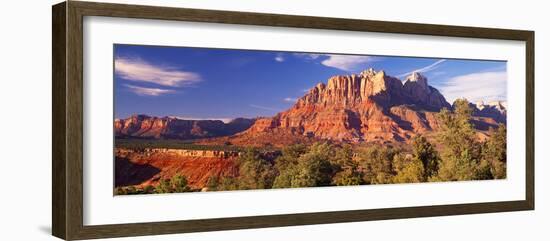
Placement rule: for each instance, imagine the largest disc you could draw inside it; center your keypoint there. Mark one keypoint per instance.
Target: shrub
(228, 184)
(178, 183)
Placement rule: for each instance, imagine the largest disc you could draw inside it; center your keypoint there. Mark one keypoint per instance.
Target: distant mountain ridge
(494, 109)
(144, 126)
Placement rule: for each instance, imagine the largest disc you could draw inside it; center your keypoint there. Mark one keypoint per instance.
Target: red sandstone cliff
(370, 106)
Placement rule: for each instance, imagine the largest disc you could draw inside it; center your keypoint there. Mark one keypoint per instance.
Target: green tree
(314, 167)
(287, 165)
(177, 183)
(284, 179)
(213, 183)
(163, 186)
(425, 152)
(376, 164)
(399, 161)
(222, 183)
(254, 171)
(347, 177)
(494, 151)
(228, 184)
(461, 152)
(345, 167)
(130, 190)
(412, 171)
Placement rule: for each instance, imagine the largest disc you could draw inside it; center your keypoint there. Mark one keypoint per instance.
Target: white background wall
(25, 120)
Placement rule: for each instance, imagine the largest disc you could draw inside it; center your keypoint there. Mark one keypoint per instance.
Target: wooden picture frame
(67, 139)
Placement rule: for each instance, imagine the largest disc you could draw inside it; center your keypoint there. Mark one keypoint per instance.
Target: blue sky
(202, 83)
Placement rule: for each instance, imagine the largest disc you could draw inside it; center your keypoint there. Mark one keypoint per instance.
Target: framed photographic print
(171, 120)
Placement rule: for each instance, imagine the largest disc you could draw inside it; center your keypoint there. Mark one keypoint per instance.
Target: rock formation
(370, 106)
(418, 91)
(148, 167)
(143, 126)
(493, 109)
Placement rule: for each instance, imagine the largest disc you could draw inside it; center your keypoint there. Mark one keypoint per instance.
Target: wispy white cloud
(279, 58)
(307, 56)
(481, 86)
(424, 69)
(135, 69)
(290, 99)
(143, 91)
(338, 61)
(264, 107)
(346, 62)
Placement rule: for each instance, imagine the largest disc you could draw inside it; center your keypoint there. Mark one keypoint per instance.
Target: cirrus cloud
(338, 61)
(424, 69)
(279, 58)
(307, 56)
(481, 86)
(346, 62)
(143, 91)
(135, 69)
(290, 99)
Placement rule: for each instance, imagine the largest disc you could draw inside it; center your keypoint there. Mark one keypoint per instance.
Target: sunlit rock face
(369, 106)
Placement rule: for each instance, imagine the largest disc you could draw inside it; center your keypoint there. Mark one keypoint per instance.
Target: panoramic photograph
(190, 119)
